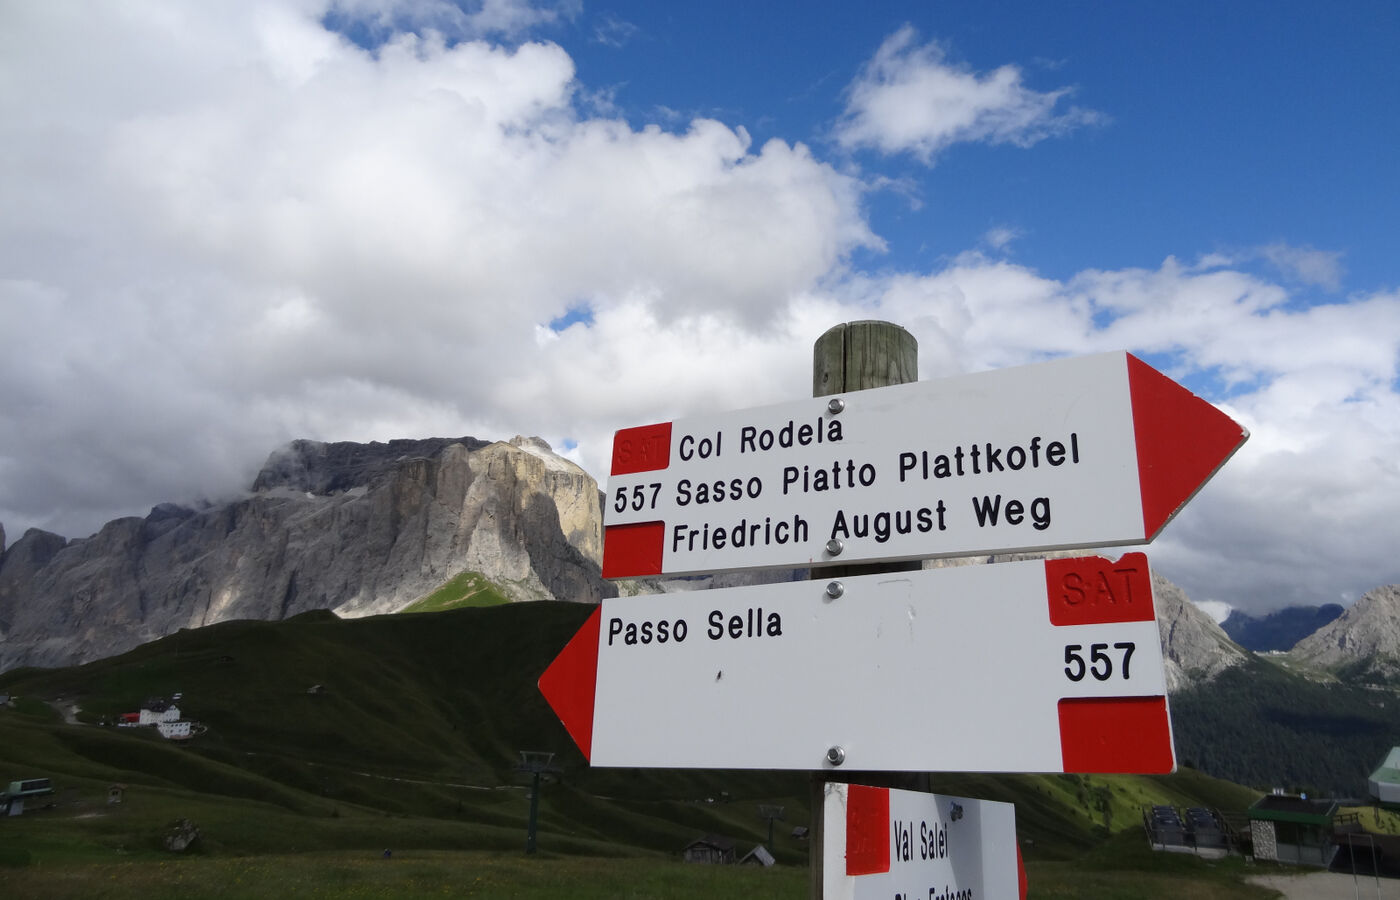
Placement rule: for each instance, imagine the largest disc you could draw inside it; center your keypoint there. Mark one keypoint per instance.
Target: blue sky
(1223, 126)
(227, 225)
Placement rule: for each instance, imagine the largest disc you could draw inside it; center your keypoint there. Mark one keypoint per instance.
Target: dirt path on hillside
(1330, 886)
(69, 711)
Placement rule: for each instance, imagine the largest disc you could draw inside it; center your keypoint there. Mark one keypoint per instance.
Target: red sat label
(1092, 590)
(641, 449)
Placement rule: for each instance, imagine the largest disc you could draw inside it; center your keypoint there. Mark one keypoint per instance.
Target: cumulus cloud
(226, 226)
(1315, 385)
(260, 230)
(910, 99)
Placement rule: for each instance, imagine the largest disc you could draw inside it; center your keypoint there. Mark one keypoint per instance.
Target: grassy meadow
(330, 741)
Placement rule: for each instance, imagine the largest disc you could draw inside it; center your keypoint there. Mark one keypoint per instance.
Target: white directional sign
(1093, 451)
(1040, 666)
(879, 843)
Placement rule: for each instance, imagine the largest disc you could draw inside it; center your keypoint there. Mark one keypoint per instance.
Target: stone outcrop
(358, 529)
(1362, 643)
(18, 566)
(1194, 648)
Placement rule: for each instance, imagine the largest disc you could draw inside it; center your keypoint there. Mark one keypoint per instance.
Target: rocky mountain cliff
(362, 529)
(356, 528)
(1194, 648)
(1362, 643)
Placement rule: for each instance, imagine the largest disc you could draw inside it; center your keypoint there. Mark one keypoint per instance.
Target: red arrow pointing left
(570, 683)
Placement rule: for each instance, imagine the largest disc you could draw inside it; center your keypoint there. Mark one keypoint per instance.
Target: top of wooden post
(853, 357)
(860, 355)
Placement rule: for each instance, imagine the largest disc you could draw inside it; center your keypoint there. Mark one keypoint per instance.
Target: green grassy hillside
(403, 731)
(1264, 725)
(418, 715)
(463, 589)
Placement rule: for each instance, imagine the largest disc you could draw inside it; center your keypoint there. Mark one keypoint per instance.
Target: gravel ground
(1330, 886)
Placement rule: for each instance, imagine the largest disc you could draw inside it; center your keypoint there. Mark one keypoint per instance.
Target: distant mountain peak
(1363, 642)
(1281, 629)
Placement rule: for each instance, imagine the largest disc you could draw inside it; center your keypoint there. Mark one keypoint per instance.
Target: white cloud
(261, 231)
(910, 99)
(612, 31)
(465, 19)
(1321, 268)
(225, 227)
(1215, 609)
(1304, 512)
(1297, 266)
(1000, 237)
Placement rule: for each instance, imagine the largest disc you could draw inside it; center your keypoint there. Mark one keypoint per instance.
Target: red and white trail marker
(1088, 452)
(879, 843)
(1040, 666)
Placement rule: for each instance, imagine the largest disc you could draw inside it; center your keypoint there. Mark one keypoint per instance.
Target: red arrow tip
(571, 681)
(1181, 441)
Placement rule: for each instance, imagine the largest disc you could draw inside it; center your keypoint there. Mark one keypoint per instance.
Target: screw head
(836, 755)
(835, 589)
(834, 547)
(835, 405)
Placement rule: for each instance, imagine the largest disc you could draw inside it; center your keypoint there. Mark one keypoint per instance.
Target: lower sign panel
(879, 843)
(1039, 666)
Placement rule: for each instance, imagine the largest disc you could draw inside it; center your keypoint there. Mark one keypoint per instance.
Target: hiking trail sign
(1038, 666)
(1087, 452)
(880, 843)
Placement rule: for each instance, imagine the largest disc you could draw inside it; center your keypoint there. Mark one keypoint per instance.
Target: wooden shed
(711, 848)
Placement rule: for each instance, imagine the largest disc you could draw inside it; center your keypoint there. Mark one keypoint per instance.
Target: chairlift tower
(538, 764)
(771, 813)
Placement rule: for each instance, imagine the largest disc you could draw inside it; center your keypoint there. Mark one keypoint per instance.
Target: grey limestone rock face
(1194, 648)
(359, 529)
(1364, 640)
(18, 566)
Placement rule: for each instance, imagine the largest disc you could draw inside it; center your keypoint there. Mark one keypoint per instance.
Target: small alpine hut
(711, 848)
(1293, 830)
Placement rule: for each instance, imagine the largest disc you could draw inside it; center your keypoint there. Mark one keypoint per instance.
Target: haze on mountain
(1279, 630)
